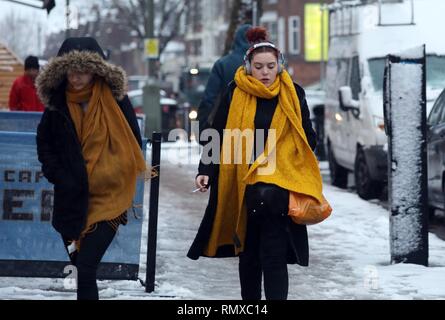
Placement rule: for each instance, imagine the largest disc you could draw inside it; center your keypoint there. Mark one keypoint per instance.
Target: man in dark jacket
(222, 73)
(23, 95)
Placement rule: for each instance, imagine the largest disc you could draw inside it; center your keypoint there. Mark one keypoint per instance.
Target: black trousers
(265, 251)
(94, 245)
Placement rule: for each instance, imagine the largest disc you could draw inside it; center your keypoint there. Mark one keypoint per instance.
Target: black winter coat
(298, 248)
(58, 146)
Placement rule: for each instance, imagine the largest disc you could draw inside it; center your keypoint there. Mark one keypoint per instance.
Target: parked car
(315, 97)
(136, 82)
(436, 154)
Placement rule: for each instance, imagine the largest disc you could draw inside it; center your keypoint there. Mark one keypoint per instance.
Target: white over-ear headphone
(247, 65)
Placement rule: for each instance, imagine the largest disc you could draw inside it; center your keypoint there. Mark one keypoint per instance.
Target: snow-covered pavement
(349, 256)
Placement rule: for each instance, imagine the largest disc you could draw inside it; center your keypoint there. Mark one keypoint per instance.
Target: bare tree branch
(167, 14)
(139, 18)
(16, 35)
(234, 14)
(143, 8)
(241, 12)
(175, 28)
(130, 16)
(133, 14)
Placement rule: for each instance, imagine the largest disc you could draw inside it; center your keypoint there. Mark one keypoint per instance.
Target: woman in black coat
(267, 239)
(89, 144)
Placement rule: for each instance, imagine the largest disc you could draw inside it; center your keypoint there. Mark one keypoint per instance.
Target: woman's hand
(202, 183)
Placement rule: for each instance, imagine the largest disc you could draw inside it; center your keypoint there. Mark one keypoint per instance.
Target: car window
(337, 72)
(442, 117)
(437, 111)
(354, 80)
(136, 100)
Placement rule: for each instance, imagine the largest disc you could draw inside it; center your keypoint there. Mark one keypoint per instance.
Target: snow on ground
(349, 255)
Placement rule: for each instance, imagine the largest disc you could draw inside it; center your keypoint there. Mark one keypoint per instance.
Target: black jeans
(87, 260)
(266, 244)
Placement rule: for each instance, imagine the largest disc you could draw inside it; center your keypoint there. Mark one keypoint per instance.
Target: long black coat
(58, 146)
(298, 249)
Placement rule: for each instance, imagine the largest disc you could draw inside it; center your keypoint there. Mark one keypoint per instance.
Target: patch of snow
(349, 256)
(406, 144)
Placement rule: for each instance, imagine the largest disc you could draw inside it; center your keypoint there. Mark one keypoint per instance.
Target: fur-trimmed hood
(54, 73)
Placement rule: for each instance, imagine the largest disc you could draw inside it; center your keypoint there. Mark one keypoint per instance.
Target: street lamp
(67, 15)
(43, 4)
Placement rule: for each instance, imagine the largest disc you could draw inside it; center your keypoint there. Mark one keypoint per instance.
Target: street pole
(149, 27)
(150, 271)
(39, 38)
(151, 96)
(254, 13)
(323, 35)
(67, 31)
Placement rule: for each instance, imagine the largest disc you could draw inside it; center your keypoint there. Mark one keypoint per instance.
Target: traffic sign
(151, 48)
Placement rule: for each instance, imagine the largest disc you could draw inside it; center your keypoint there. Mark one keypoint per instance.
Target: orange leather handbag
(304, 209)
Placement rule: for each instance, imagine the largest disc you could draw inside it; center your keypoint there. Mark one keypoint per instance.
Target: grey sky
(32, 17)
(52, 22)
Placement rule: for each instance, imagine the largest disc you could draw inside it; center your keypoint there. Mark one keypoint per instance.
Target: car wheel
(338, 174)
(366, 187)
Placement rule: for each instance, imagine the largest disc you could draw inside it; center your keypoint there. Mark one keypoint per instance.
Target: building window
(272, 31)
(355, 82)
(281, 34)
(294, 35)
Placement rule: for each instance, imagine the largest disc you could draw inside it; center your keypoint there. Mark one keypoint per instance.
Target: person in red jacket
(23, 94)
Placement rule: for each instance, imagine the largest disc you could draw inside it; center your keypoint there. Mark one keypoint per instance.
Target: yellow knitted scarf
(288, 163)
(111, 152)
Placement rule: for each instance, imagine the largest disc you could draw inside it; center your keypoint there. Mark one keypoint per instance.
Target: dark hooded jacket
(222, 73)
(58, 146)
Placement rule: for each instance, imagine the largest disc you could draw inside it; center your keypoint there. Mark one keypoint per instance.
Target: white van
(362, 34)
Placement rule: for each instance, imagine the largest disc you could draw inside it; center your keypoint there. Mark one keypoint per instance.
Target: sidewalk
(349, 252)
(349, 256)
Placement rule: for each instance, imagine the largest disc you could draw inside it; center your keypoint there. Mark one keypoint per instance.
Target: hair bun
(256, 35)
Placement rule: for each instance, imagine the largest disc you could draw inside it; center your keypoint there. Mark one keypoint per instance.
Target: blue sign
(20, 121)
(26, 199)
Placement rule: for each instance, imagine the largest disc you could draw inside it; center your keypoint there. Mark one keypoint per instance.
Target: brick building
(297, 28)
(207, 22)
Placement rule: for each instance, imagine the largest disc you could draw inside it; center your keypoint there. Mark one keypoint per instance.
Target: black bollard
(153, 213)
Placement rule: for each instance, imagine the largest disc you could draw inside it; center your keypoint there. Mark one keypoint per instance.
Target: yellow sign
(151, 48)
(316, 28)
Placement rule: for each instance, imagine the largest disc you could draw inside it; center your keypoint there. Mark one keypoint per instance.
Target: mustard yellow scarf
(288, 163)
(111, 152)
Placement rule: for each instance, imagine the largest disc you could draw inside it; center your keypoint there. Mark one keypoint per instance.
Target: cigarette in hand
(205, 186)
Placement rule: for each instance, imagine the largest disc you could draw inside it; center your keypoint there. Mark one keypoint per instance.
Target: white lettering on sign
(16, 198)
